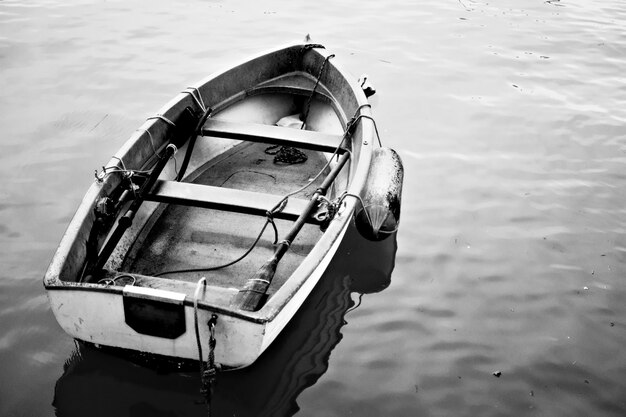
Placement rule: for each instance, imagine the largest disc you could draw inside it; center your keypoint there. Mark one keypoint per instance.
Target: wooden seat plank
(276, 135)
(221, 198)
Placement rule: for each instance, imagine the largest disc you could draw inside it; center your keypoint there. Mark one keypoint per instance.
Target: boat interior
(214, 216)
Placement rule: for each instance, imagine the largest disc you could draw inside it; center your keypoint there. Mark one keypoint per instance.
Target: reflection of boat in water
(96, 383)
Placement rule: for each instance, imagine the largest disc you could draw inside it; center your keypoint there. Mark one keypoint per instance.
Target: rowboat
(217, 218)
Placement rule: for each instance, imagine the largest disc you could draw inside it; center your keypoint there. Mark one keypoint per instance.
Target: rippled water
(510, 117)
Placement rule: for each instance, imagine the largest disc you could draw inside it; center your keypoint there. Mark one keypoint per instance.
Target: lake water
(510, 117)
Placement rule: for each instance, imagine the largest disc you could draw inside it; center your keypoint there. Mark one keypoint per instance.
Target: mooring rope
(201, 282)
(289, 155)
(208, 372)
(311, 46)
(317, 81)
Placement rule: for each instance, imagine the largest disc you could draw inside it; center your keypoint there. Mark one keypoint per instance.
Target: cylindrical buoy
(378, 214)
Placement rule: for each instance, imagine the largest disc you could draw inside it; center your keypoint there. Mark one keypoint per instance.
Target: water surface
(511, 121)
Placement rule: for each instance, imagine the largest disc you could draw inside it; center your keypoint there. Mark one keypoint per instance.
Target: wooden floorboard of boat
(192, 237)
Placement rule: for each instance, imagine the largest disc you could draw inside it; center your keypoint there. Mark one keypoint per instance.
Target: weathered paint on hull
(98, 317)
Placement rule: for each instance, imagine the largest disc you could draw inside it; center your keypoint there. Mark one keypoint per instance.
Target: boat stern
(154, 322)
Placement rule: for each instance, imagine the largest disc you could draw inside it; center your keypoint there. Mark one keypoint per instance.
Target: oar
(186, 119)
(252, 296)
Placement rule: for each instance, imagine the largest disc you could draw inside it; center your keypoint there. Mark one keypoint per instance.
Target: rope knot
(327, 211)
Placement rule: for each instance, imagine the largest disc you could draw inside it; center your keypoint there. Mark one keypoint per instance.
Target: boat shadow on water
(96, 383)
